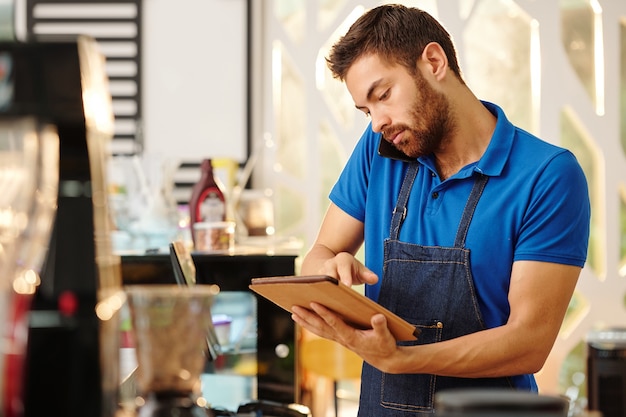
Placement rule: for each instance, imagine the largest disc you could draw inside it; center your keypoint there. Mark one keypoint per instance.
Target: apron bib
(431, 287)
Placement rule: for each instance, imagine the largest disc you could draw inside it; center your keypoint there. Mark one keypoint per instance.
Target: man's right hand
(349, 270)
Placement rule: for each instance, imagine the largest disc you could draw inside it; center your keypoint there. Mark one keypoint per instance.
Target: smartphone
(387, 150)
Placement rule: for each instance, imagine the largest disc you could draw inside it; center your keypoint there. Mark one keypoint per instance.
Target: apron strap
(399, 212)
(468, 212)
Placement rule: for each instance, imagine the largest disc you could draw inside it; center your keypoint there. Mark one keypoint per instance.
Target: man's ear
(435, 59)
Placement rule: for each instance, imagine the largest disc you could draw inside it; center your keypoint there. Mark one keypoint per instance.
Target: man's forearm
(490, 353)
(315, 259)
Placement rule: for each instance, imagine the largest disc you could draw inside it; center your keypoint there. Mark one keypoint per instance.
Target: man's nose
(379, 122)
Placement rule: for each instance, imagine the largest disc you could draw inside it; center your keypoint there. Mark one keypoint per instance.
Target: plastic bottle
(207, 202)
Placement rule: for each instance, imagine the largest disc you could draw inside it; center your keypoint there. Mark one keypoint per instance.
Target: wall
(194, 78)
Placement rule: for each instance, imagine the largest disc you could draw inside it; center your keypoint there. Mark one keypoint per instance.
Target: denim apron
(431, 287)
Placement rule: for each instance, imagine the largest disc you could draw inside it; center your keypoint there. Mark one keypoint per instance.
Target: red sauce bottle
(207, 202)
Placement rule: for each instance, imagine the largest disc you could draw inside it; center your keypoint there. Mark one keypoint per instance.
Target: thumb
(379, 323)
(366, 276)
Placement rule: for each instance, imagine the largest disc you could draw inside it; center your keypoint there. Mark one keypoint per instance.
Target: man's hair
(396, 33)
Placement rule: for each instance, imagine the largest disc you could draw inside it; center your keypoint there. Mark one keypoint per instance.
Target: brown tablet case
(354, 307)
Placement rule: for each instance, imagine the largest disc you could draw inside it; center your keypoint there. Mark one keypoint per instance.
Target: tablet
(355, 308)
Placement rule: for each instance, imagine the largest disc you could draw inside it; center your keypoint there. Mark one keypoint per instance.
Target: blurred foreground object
(71, 364)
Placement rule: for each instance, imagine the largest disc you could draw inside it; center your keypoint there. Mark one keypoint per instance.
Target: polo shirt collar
(497, 153)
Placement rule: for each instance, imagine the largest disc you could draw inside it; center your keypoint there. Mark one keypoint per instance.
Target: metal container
(606, 371)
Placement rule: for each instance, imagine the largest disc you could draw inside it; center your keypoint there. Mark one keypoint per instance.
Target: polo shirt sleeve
(556, 222)
(350, 191)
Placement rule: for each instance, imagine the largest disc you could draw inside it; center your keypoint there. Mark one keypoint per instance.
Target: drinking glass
(171, 324)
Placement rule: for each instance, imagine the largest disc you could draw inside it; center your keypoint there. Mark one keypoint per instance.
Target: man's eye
(384, 95)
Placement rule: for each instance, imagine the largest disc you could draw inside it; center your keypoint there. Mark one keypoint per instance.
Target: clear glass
(171, 326)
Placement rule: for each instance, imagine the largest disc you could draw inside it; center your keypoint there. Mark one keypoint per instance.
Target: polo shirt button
(432, 174)
(435, 195)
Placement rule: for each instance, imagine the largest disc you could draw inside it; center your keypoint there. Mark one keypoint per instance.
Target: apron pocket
(431, 331)
(412, 392)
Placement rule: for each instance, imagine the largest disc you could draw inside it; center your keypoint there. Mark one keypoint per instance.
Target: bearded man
(475, 231)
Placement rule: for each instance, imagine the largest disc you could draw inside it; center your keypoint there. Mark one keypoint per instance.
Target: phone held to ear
(387, 150)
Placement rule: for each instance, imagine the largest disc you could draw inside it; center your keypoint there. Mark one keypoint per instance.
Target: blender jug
(171, 324)
(29, 155)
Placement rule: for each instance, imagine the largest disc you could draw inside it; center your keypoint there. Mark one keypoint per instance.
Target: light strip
(598, 56)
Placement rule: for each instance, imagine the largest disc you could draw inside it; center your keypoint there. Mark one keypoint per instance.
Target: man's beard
(431, 122)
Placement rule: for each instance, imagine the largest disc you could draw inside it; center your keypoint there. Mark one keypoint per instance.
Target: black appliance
(502, 402)
(606, 371)
(71, 364)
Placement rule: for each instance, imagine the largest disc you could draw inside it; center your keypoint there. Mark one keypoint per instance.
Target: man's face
(409, 112)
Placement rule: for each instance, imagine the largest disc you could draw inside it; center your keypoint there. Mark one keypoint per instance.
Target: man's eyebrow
(370, 91)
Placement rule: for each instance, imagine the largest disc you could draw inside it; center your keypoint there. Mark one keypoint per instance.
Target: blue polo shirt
(535, 207)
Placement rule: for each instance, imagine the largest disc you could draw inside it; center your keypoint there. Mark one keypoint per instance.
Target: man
(477, 235)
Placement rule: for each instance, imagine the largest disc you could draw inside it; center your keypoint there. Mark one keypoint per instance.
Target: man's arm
(339, 238)
(539, 295)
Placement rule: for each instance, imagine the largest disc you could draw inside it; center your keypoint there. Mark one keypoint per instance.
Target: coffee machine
(71, 362)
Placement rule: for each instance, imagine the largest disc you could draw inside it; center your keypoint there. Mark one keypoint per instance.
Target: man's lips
(394, 137)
